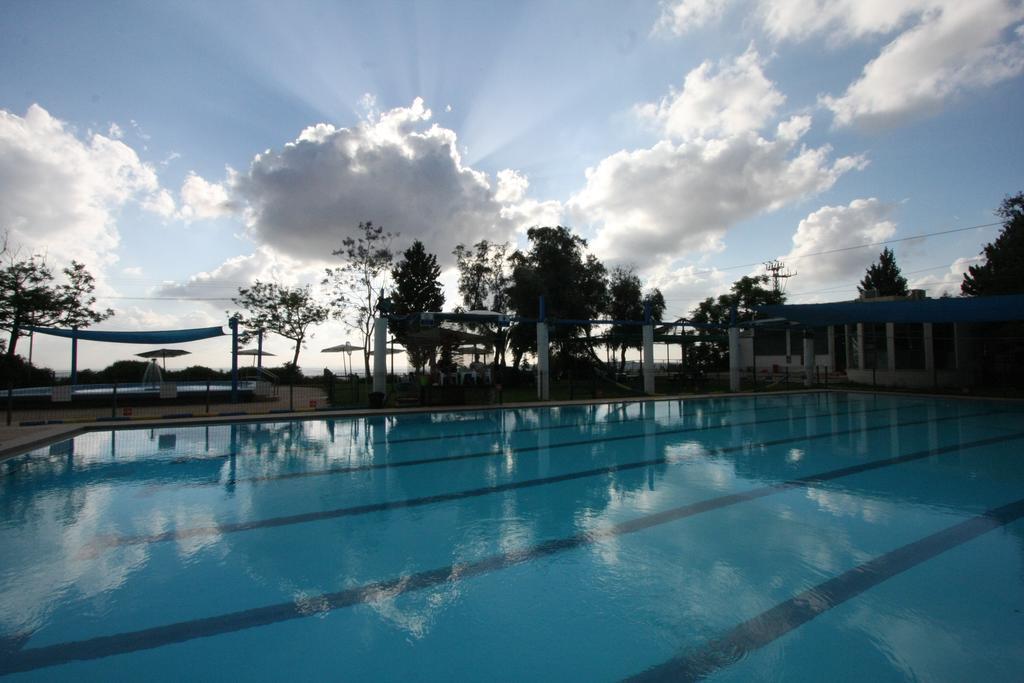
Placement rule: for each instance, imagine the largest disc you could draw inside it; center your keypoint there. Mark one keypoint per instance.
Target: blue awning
(162, 337)
(950, 310)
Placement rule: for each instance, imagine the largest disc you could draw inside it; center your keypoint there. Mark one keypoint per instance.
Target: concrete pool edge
(43, 435)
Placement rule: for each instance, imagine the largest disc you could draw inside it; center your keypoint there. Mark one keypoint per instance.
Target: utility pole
(779, 273)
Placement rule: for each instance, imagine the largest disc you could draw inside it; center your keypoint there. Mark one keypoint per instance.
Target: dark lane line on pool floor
(349, 469)
(182, 631)
(790, 615)
(103, 542)
(385, 442)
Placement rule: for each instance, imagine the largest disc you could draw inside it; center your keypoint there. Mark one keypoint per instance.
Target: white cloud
(61, 194)
(170, 157)
(138, 318)
(717, 168)
(939, 49)
(948, 282)
(735, 99)
(833, 227)
(840, 20)
(684, 15)
(521, 210)
(115, 132)
(512, 186)
(653, 204)
(686, 285)
(203, 199)
(217, 286)
(957, 47)
(160, 203)
(394, 169)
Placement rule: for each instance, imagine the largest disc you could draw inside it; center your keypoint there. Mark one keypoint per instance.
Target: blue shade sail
(159, 337)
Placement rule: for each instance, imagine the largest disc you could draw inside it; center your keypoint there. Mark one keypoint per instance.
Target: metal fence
(136, 400)
(125, 401)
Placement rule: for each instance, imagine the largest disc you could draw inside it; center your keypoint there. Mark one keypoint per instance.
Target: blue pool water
(801, 537)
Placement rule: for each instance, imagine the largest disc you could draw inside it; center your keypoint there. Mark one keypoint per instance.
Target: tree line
(575, 284)
(491, 276)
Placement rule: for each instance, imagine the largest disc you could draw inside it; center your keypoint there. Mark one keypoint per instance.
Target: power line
(837, 250)
(923, 235)
(166, 298)
(847, 285)
(909, 272)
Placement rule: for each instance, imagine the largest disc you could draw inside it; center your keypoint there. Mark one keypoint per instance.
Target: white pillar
(734, 359)
(831, 348)
(890, 345)
(648, 359)
(861, 361)
(808, 360)
(380, 355)
(929, 347)
(543, 363)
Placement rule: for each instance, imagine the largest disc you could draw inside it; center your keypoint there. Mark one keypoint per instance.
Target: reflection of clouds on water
(419, 610)
(706, 571)
(847, 505)
(45, 569)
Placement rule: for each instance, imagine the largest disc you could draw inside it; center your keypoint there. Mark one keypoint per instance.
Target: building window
(852, 347)
(821, 341)
(876, 352)
(944, 344)
(908, 342)
(769, 342)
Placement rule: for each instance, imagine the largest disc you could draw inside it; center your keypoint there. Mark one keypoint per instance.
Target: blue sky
(164, 143)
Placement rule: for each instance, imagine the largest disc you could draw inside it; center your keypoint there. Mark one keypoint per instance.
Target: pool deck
(15, 440)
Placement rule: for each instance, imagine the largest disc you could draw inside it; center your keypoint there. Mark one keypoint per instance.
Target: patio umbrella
(254, 353)
(346, 347)
(163, 354)
(343, 348)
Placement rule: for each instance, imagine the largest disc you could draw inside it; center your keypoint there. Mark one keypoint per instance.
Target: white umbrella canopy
(163, 354)
(255, 352)
(342, 348)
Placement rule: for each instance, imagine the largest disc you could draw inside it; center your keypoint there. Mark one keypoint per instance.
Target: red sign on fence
(127, 412)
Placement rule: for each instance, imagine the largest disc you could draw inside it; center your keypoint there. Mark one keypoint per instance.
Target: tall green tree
(30, 296)
(283, 310)
(573, 283)
(484, 281)
(484, 276)
(1003, 270)
(746, 294)
(884, 277)
(76, 300)
(626, 301)
(417, 288)
(358, 285)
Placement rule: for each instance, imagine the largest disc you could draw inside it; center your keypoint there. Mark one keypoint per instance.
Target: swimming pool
(819, 536)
